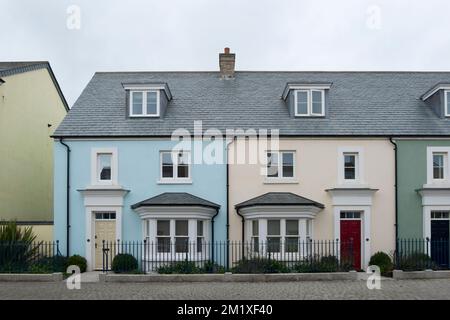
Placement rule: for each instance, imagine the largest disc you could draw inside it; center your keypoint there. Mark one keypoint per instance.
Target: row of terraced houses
(254, 156)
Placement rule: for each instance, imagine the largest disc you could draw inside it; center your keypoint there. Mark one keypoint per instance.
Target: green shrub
(415, 261)
(77, 260)
(16, 247)
(383, 261)
(124, 263)
(259, 265)
(318, 264)
(212, 267)
(56, 263)
(182, 267)
(322, 264)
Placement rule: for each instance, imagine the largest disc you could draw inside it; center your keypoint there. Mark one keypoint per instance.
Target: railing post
(144, 269)
(57, 247)
(227, 260)
(103, 256)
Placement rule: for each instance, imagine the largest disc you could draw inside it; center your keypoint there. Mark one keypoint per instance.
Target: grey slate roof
(9, 68)
(175, 199)
(279, 198)
(359, 103)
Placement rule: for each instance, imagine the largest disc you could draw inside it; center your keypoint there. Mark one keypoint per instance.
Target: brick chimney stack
(226, 64)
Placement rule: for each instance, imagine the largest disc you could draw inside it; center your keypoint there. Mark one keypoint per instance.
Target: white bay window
(175, 236)
(279, 236)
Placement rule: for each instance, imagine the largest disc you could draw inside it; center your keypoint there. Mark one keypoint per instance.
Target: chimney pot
(226, 64)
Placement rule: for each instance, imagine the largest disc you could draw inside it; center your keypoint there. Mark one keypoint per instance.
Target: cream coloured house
(31, 107)
(347, 186)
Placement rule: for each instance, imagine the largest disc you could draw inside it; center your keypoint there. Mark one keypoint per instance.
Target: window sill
(144, 116)
(437, 185)
(104, 187)
(174, 181)
(309, 116)
(281, 181)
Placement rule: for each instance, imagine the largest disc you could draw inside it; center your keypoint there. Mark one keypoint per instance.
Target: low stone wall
(427, 274)
(228, 277)
(31, 277)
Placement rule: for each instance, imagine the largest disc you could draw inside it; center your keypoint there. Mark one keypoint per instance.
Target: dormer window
(306, 99)
(309, 103)
(438, 98)
(147, 100)
(447, 103)
(144, 103)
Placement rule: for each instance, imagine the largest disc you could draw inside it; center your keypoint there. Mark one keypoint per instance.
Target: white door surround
(100, 200)
(433, 199)
(354, 199)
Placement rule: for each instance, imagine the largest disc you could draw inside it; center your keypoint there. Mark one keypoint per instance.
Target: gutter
(243, 232)
(243, 224)
(212, 233)
(228, 202)
(310, 136)
(67, 198)
(396, 192)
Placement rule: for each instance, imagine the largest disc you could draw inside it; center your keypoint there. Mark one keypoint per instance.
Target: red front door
(351, 242)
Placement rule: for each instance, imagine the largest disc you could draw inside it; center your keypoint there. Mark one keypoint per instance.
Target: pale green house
(31, 107)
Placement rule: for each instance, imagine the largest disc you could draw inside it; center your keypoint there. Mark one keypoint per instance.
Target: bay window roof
(279, 199)
(174, 199)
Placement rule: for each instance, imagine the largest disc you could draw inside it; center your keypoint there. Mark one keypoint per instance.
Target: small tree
(16, 246)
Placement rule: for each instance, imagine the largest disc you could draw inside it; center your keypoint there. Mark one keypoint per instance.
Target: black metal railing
(228, 256)
(27, 257)
(422, 254)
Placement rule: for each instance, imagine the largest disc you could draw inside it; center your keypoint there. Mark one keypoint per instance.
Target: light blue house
(120, 176)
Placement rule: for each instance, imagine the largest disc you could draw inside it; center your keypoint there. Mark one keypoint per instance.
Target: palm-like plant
(17, 247)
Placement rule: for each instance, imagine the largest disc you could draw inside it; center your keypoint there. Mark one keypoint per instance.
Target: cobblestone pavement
(390, 289)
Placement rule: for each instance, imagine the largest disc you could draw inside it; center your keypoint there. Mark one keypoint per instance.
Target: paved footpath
(390, 289)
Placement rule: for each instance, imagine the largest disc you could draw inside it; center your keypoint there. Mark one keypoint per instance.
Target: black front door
(440, 242)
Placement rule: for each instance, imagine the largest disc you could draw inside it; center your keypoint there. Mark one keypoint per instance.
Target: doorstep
(31, 277)
(229, 277)
(427, 274)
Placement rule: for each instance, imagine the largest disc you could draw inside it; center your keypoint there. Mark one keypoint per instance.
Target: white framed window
(163, 238)
(440, 215)
(438, 166)
(350, 215)
(309, 102)
(175, 166)
(200, 236)
(447, 103)
(292, 236)
(439, 170)
(177, 236)
(350, 166)
(274, 236)
(144, 103)
(104, 166)
(181, 236)
(105, 216)
(282, 235)
(280, 164)
(255, 235)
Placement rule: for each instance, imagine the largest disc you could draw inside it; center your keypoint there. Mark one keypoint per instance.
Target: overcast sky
(189, 34)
